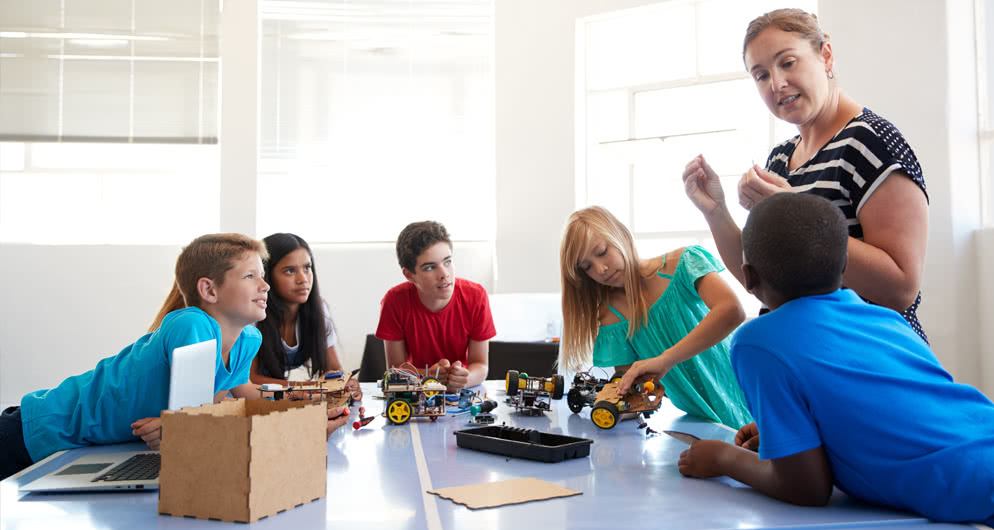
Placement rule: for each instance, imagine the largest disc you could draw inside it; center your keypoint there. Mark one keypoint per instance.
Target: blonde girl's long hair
(208, 256)
(582, 296)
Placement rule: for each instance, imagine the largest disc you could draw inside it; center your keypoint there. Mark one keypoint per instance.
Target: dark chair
(374, 360)
(537, 359)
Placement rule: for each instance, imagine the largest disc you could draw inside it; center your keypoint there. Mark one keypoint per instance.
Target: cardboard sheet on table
(514, 491)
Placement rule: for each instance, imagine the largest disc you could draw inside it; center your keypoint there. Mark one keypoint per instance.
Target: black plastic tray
(523, 443)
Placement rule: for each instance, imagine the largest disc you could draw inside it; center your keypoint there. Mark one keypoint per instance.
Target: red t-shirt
(430, 336)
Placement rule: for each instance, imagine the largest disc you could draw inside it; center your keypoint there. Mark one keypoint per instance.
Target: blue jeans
(13, 455)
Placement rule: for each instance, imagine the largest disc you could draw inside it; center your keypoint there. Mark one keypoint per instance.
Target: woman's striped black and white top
(850, 168)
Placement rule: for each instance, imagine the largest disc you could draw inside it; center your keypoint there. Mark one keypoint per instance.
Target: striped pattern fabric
(850, 168)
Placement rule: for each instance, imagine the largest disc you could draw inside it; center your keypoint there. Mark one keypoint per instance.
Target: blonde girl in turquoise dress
(666, 318)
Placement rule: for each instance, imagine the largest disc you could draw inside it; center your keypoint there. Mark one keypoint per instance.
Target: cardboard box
(242, 460)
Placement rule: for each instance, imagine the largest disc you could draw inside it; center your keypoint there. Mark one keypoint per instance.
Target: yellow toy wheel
(398, 411)
(425, 381)
(604, 414)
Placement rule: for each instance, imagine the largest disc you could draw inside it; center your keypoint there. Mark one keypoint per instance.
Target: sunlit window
(108, 121)
(984, 10)
(376, 114)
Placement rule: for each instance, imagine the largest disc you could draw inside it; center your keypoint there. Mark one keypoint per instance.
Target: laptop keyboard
(142, 466)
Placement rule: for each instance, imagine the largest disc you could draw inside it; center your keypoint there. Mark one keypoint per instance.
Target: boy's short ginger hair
(211, 256)
(415, 238)
(796, 243)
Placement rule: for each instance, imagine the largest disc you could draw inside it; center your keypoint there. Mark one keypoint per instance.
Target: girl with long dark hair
(298, 334)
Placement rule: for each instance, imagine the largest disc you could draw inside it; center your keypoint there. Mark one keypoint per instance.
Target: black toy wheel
(574, 400)
(511, 382)
(557, 386)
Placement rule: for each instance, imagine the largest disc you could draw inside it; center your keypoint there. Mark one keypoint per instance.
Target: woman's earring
(831, 74)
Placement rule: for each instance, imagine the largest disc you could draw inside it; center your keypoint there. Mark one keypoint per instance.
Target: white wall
(67, 307)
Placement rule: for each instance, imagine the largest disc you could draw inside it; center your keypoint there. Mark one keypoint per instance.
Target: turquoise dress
(703, 385)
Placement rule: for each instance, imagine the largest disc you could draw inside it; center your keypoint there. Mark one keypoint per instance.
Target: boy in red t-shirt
(437, 322)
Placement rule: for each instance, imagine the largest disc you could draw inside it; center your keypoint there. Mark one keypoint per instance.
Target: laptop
(191, 384)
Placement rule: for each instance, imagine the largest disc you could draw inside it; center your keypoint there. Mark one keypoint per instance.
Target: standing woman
(844, 152)
(298, 331)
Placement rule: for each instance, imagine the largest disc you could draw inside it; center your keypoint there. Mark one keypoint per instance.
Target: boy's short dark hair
(415, 238)
(796, 243)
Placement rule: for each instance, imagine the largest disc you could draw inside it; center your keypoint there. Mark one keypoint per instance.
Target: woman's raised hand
(758, 184)
(703, 186)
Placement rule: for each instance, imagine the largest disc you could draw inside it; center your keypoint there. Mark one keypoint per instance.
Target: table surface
(378, 475)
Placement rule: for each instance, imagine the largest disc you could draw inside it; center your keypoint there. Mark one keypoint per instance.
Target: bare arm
(804, 478)
(703, 187)
(886, 267)
(479, 359)
(257, 378)
(245, 391)
(333, 363)
(396, 352)
(725, 315)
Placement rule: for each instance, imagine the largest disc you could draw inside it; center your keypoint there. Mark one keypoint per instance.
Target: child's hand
(748, 437)
(440, 371)
(704, 459)
(458, 377)
(352, 386)
(150, 431)
(758, 184)
(703, 186)
(644, 370)
(337, 417)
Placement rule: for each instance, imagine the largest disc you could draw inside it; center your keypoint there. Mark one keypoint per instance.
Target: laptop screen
(191, 375)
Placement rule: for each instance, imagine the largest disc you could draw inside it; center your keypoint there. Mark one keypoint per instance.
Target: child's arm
(245, 391)
(475, 372)
(397, 355)
(257, 378)
(724, 315)
(150, 431)
(333, 363)
(803, 478)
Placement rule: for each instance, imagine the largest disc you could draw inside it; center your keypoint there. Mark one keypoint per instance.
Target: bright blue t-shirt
(99, 406)
(854, 378)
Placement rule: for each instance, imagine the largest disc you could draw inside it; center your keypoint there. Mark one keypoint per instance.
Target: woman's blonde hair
(791, 20)
(582, 296)
(209, 256)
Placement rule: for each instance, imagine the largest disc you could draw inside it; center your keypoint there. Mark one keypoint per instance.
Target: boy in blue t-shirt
(843, 392)
(220, 278)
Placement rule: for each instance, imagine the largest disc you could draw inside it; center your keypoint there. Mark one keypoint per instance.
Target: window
(682, 79)
(375, 114)
(107, 193)
(984, 12)
(108, 120)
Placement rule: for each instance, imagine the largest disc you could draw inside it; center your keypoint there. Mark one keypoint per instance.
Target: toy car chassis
(532, 395)
(333, 390)
(642, 398)
(410, 396)
(583, 391)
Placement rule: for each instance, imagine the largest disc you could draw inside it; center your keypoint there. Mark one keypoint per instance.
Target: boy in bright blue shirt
(219, 293)
(844, 392)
